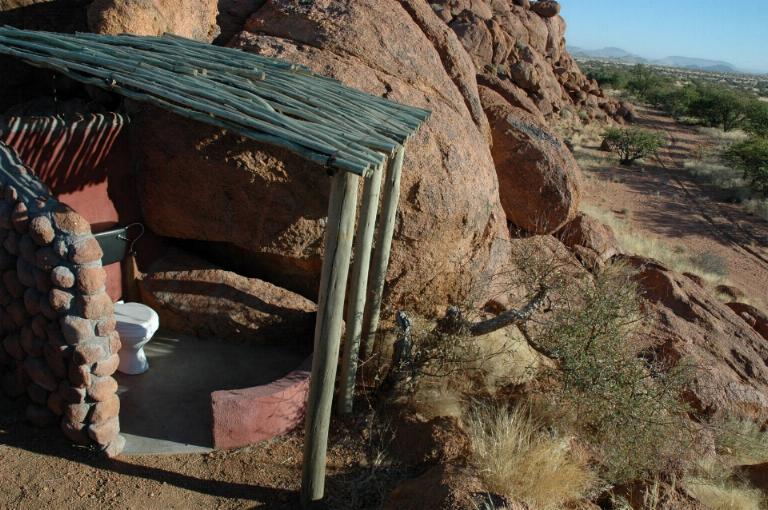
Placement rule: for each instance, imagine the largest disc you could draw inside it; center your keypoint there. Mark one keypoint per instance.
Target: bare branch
(510, 316)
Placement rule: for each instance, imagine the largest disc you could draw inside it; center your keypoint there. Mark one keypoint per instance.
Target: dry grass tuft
(715, 133)
(517, 459)
(724, 496)
(707, 166)
(713, 481)
(706, 264)
(738, 441)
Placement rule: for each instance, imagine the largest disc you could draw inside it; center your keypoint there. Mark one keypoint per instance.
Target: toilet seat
(135, 323)
(135, 320)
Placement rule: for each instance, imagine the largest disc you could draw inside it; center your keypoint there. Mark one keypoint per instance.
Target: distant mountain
(620, 55)
(697, 63)
(611, 53)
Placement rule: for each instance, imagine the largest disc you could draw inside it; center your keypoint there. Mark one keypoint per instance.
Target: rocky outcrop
(546, 8)
(195, 297)
(524, 44)
(269, 206)
(232, 17)
(754, 317)
(511, 93)
(539, 180)
(421, 440)
(591, 241)
(195, 19)
(689, 325)
(444, 486)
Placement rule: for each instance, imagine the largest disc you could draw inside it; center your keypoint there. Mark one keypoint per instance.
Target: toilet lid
(135, 319)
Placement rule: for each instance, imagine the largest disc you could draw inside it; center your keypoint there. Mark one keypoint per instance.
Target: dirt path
(661, 198)
(39, 469)
(728, 222)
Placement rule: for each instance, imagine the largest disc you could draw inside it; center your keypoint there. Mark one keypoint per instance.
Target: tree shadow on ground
(16, 433)
(679, 205)
(350, 483)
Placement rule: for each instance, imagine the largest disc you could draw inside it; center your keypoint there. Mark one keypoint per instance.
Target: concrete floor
(168, 408)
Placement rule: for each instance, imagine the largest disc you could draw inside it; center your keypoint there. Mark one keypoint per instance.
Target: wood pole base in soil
(358, 287)
(330, 310)
(385, 231)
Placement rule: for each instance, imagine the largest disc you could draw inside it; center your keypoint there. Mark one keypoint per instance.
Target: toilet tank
(114, 244)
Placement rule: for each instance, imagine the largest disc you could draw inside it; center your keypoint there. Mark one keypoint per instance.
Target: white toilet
(136, 323)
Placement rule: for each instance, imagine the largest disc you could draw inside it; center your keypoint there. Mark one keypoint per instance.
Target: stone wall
(59, 344)
(86, 162)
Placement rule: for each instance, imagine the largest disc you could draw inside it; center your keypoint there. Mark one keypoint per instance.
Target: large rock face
(195, 297)
(539, 181)
(752, 316)
(270, 206)
(523, 45)
(690, 325)
(591, 241)
(195, 19)
(443, 486)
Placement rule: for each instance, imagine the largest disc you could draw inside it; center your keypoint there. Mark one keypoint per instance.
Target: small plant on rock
(631, 144)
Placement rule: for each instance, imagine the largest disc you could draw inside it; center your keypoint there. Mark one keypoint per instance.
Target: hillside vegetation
(707, 104)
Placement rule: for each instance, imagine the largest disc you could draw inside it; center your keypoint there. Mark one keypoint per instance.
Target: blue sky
(735, 31)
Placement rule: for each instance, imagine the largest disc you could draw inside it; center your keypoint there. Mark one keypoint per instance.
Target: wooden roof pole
(330, 309)
(385, 231)
(358, 288)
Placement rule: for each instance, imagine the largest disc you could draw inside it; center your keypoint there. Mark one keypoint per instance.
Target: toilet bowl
(136, 323)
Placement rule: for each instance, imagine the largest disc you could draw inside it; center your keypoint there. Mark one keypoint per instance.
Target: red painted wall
(86, 162)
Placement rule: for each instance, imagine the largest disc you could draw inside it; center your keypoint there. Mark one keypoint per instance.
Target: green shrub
(757, 119)
(610, 77)
(720, 107)
(628, 406)
(751, 157)
(674, 100)
(643, 81)
(631, 144)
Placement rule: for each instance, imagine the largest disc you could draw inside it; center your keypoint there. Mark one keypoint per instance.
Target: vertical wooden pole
(386, 229)
(330, 309)
(358, 285)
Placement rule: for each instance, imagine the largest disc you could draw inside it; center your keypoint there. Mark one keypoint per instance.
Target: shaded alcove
(168, 409)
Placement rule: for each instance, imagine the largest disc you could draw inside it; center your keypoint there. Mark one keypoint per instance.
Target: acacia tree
(719, 106)
(757, 119)
(644, 80)
(631, 144)
(677, 101)
(751, 157)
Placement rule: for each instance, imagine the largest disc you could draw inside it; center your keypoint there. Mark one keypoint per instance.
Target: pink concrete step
(250, 415)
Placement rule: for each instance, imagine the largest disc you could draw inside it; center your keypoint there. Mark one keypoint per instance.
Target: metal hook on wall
(131, 250)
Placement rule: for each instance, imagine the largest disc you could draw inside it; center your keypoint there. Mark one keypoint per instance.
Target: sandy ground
(39, 469)
(660, 198)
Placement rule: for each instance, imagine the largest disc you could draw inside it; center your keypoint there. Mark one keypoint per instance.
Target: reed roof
(266, 99)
